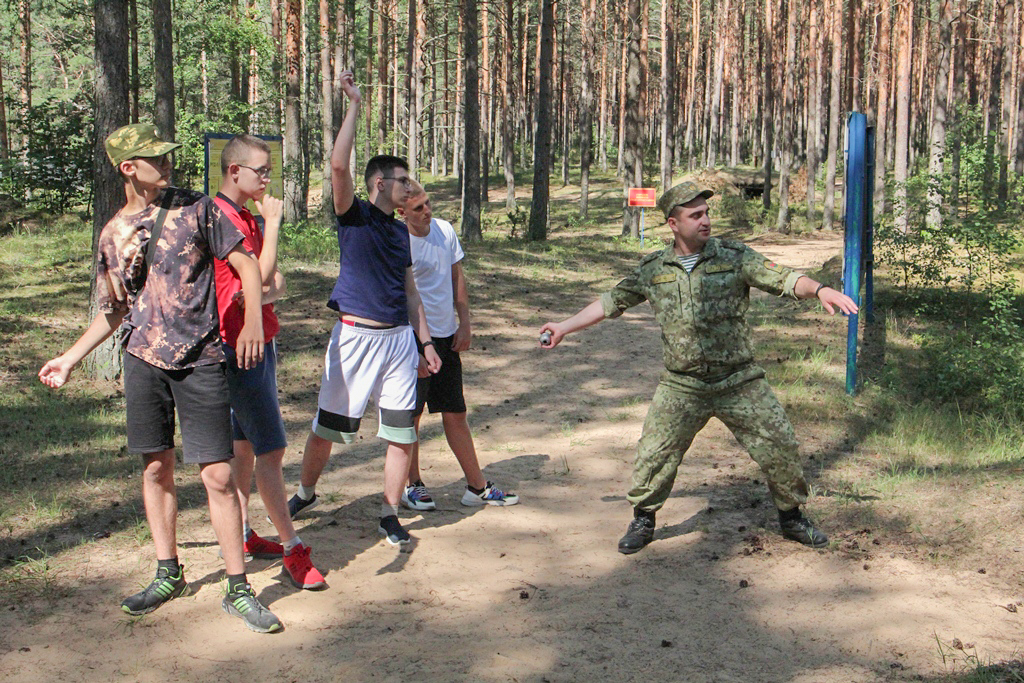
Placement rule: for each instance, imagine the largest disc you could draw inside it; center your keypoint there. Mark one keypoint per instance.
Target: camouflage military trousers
(746, 404)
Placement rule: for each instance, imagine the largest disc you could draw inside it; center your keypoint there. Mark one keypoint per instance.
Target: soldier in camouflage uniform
(699, 290)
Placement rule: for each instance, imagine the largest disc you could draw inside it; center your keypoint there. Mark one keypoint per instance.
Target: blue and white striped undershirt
(688, 262)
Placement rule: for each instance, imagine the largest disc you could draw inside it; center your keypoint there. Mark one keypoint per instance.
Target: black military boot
(798, 528)
(639, 533)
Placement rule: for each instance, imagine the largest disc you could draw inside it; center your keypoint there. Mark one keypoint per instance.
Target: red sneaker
(301, 571)
(261, 548)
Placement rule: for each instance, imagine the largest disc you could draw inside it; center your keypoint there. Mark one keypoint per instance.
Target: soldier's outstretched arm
(591, 314)
(831, 299)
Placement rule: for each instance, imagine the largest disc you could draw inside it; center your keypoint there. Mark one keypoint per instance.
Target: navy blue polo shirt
(374, 254)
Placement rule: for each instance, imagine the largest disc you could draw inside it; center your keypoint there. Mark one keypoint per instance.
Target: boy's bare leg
(160, 499)
(314, 459)
(225, 513)
(270, 482)
(460, 440)
(396, 471)
(414, 453)
(241, 470)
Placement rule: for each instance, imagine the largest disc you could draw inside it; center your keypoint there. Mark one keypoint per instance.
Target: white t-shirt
(432, 259)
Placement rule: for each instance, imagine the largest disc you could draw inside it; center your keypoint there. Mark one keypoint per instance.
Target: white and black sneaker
(416, 497)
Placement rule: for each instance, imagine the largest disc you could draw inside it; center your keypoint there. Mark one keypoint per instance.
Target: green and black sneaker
(244, 605)
(164, 588)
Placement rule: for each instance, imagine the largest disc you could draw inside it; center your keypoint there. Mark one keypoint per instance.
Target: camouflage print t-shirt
(171, 313)
(702, 313)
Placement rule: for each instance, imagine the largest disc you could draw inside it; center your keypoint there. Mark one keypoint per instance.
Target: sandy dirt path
(535, 592)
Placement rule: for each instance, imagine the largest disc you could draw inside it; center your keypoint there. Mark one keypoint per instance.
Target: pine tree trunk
(507, 113)
(1009, 34)
(714, 136)
(275, 64)
(294, 204)
(602, 136)
(133, 24)
(938, 130)
(633, 151)
(327, 109)
(668, 51)
(691, 85)
(411, 124)
(25, 24)
(471, 230)
(538, 226)
(163, 69)
(782, 221)
(835, 80)
(959, 80)
(485, 119)
(587, 27)
(112, 111)
(905, 32)
(5, 142)
(884, 59)
(814, 108)
(769, 100)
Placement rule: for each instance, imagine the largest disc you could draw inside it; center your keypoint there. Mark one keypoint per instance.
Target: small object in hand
(545, 338)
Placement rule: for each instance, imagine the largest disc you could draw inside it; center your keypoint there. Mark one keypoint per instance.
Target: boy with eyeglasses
(259, 435)
(372, 351)
(155, 280)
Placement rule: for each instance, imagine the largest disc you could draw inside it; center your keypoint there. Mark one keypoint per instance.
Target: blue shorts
(255, 411)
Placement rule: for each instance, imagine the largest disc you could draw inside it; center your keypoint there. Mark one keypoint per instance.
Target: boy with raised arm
(372, 350)
(160, 291)
(259, 436)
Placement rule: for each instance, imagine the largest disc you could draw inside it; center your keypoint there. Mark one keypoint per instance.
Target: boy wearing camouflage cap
(155, 280)
(699, 290)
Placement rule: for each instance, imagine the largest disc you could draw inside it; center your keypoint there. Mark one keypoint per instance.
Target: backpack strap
(158, 226)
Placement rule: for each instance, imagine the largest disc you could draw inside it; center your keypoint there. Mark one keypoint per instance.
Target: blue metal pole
(856, 186)
(869, 228)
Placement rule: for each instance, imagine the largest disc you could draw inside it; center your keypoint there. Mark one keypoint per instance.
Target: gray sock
(307, 494)
(387, 510)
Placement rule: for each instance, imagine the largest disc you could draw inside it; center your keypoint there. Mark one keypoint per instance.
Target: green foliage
(309, 241)
(959, 277)
(54, 174)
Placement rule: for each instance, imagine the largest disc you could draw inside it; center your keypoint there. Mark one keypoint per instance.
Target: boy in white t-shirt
(437, 269)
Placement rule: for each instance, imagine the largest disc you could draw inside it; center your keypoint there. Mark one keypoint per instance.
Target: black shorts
(201, 396)
(442, 393)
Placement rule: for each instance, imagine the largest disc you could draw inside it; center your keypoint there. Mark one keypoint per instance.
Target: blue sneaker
(416, 497)
(392, 531)
(296, 505)
(491, 495)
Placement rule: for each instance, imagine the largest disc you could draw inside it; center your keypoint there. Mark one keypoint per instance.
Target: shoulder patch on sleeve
(774, 267)
(650, 257)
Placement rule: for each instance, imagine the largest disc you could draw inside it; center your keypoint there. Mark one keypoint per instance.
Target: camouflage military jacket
(171, 316)
(704, 330)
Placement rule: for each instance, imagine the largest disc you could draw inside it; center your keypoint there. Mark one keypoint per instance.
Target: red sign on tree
(644, 197)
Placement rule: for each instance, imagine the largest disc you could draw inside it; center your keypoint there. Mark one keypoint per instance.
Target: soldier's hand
(551, 335)
(832, 299)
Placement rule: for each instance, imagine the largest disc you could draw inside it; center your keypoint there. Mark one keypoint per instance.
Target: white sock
(307, 494)
(291, 545)
(387, 509)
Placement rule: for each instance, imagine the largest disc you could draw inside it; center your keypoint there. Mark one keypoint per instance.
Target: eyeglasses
(161, 160)
(405, 180)
(262, 171)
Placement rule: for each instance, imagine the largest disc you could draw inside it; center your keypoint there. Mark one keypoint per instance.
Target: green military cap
(137, 140)
(681, 194)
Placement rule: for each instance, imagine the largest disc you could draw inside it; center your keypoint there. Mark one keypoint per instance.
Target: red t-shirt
(232, 316)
